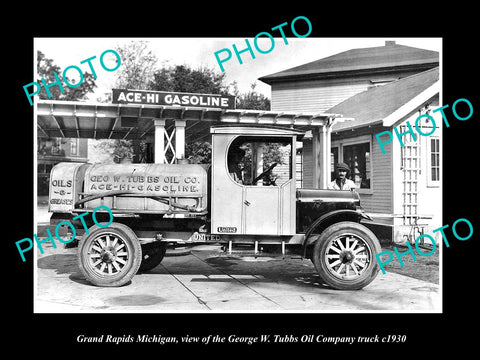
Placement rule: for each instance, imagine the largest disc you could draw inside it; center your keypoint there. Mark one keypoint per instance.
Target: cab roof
(257, 130)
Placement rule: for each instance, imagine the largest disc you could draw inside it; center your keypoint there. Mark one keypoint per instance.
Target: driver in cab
(235, 165)
(240, 173)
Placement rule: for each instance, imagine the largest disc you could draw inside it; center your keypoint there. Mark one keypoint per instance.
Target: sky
(199, 52)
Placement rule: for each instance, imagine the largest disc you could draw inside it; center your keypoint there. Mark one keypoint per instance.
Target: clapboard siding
(380, 200)
(321, 95)
(314, 98)
(307, 158)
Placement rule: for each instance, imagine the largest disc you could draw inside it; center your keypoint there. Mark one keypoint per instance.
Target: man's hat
(343, 166)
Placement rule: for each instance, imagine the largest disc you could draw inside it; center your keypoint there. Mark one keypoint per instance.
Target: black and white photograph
(185, 188)
(245, 189)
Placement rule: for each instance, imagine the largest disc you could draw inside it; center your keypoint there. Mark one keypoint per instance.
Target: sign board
(147, 188)
(124, 96)
(66, 181)
(152, 179)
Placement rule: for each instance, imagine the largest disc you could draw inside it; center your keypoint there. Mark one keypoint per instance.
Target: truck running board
(255, 250)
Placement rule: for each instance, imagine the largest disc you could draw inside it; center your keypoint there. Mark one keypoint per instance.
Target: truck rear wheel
(344, 256)
(109, 256)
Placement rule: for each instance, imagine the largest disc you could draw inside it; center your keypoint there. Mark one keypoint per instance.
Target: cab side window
(260, 161)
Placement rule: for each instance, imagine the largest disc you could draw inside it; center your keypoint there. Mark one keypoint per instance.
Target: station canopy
(76, 119)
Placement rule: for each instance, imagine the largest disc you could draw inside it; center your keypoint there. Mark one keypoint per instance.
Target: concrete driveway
(203, 281)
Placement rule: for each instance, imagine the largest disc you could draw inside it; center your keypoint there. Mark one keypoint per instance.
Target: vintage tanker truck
(242, 207)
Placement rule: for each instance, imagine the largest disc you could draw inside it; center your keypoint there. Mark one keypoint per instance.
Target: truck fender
(348, 214)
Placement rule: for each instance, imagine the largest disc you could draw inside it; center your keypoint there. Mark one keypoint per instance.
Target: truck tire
(109, 256)
(344, 256)
(152, 255)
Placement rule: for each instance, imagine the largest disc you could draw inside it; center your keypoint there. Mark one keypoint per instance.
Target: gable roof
(397, 98)
(355, 61)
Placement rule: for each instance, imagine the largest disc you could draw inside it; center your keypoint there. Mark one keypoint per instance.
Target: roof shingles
(373, 105)
(363, 59)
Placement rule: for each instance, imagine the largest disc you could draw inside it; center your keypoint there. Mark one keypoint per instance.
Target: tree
(199, 152)
(182, 78)
(46, 69)
(138, 64)
(118, 149)
(251, 100)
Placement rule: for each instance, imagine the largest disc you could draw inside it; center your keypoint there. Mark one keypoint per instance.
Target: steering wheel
(265, 173)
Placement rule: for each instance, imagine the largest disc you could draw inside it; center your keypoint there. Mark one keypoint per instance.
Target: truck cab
(247, 198)
(258, 203)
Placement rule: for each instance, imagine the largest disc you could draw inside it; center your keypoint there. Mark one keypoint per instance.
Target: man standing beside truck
(342, 182)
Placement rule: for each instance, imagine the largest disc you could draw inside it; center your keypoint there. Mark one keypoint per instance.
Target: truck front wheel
(344, 256)
(109, 256)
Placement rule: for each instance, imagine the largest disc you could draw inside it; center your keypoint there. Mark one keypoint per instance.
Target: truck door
(261, 206)
(253, 184)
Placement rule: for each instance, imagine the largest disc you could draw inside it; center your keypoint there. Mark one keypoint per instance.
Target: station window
(260, 161)
(433, 176)
(74, 147)
(356, 153)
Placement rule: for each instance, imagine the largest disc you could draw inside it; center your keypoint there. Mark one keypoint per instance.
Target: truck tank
(129, 188)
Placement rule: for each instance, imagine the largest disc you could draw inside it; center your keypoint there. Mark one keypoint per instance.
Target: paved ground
(204, 282)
